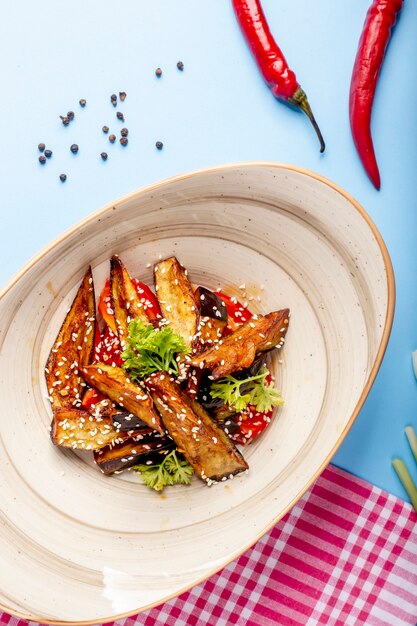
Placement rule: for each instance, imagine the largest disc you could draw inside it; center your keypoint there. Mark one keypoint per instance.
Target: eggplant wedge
(116, 385)
(204, 444)
(176, 298)
(125, 300)
(73, 428)
(73, 348)
(238, 350)
(212, 318)
(121, 456)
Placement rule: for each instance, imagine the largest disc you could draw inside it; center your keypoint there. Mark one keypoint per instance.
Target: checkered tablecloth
(346, 555)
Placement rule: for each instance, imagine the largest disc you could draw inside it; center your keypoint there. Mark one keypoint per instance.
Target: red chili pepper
(148, 299)
(105, 307)
(251, 423)
(373, 43)
(109, 350)
(91, 398)
(270, 59)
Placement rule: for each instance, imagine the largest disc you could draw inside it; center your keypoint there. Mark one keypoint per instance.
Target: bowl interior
(108, 546)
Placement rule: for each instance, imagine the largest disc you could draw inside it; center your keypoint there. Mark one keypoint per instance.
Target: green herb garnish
(172, 470)
(257, 392)
(150, 350)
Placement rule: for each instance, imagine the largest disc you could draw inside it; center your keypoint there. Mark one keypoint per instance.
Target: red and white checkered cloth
(346, 555)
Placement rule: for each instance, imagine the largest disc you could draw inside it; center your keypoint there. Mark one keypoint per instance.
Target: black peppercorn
(41, 147)
(63, 177)
(124, 141)
(42, 159)
(120, 116)
(74, 148)
(105, 129)
(180, 66)
(83, 102)
(48, 154)
(64, 120)
(70, 115)
(159, 145)
(104, 156)
(158, 72)
(113, 99)
(112, 138)
(122, 95)
(124, 132)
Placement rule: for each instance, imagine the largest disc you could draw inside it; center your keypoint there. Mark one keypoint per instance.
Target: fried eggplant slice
(125, 300)
(238, 350)
(73, 428)
(121, 456)
(204, 444)
(176, 298)
(116, 385)
(73, 348)
(212, 318)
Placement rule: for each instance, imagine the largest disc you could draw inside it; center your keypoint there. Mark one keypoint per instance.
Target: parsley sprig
(172, 470)
(257, 391)
(149, 350)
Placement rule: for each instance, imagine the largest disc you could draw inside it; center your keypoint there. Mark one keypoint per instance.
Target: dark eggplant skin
(211, 305)
(121, 456)
(230, 426)
(124, 421)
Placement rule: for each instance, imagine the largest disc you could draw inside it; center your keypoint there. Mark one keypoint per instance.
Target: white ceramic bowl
(77, 546)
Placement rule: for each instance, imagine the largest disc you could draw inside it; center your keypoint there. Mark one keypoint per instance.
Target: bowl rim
(366, 389)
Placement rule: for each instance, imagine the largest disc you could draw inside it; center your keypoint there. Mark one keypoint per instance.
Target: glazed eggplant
(77, 429)
(176, 298)
(121, 456)
(238, 350)
(73, 348)
(212, 318)
(114, 383)
(204, 444)
(125, 300)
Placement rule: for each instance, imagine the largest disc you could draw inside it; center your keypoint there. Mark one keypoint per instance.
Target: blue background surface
(218, 110)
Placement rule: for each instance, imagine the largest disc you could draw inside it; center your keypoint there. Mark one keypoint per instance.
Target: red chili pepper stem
(299, 99)
(270, 59)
